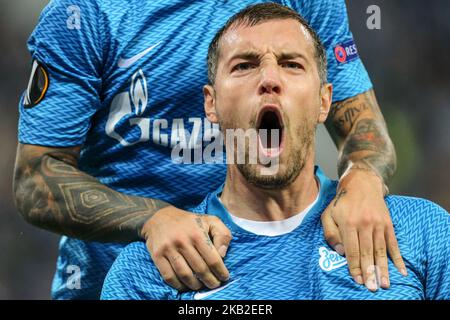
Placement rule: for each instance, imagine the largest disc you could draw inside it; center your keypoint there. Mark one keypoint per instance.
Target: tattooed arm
(359, 131)
(357, 222)
(52, 193)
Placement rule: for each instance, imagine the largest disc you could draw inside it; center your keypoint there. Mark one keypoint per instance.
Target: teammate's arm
(52, 193)
(359, 131)
(358, 217)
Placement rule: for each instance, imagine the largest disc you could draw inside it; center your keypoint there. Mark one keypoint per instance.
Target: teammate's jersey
(300, 264)
(124, 79)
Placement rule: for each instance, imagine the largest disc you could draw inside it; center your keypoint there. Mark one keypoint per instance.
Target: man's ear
(210, 103)
(326, 96)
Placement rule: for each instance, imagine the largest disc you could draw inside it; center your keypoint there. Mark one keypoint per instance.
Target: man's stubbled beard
(298, 154)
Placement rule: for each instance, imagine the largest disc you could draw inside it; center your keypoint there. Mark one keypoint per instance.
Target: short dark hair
(256, 14)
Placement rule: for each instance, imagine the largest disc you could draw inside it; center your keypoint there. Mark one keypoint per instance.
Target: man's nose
(270, 80)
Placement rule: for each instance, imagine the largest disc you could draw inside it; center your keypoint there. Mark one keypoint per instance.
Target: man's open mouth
(270, 125)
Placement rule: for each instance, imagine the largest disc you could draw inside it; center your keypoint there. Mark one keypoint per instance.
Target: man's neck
(248, 201)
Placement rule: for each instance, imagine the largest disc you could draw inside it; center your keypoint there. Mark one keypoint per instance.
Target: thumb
(331, 232)
(220, 234)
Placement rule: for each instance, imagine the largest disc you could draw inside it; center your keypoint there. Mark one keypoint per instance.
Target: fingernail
(339, 248)
(223, 251)
(403, 272)
(372, 285)
(384, 282)
(359, 280)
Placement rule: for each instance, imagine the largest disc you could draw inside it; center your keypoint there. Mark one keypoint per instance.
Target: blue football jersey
(300, 264)
(125, 81)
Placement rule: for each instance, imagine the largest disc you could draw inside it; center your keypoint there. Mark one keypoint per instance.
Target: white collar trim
(273, 228)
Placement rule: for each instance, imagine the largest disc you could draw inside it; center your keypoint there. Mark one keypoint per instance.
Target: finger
(200, 268)
(212, 258)
(351, 245)
(367, 259)
(394, 251)
(182, 270)
(381, 260)
(220, 234)
(168, 274)
(331, 232)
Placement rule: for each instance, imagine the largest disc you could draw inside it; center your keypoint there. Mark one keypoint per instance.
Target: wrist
(366, 171)
(145, 226)
(155, 208)
(143, 230)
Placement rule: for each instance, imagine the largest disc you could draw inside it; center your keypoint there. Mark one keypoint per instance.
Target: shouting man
(267, 73)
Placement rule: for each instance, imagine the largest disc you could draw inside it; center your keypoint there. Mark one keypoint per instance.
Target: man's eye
(292, 65)
(243, 66)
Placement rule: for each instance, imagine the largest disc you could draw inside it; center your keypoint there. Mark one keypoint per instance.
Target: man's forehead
(286, 35)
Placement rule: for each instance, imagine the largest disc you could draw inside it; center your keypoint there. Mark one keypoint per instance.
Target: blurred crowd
(408, 60)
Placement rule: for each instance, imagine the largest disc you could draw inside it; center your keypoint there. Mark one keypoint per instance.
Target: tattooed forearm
(359, 131)
(52, 193)
(369, 144)
(366, 137)
(343, 114)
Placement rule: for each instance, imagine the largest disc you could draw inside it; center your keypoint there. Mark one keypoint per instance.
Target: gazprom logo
(131, 105)
(330, 260)
(138, 93)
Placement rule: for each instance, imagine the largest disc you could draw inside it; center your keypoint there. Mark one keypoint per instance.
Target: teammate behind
(271, 73)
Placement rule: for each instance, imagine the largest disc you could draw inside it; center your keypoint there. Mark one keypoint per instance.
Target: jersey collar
(326, 193)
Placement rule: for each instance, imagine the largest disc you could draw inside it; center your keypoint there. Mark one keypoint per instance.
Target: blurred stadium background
(408, 61)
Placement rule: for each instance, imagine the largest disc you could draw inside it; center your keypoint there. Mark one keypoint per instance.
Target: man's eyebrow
(246, 55)
(253, 55)
(291, 55)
